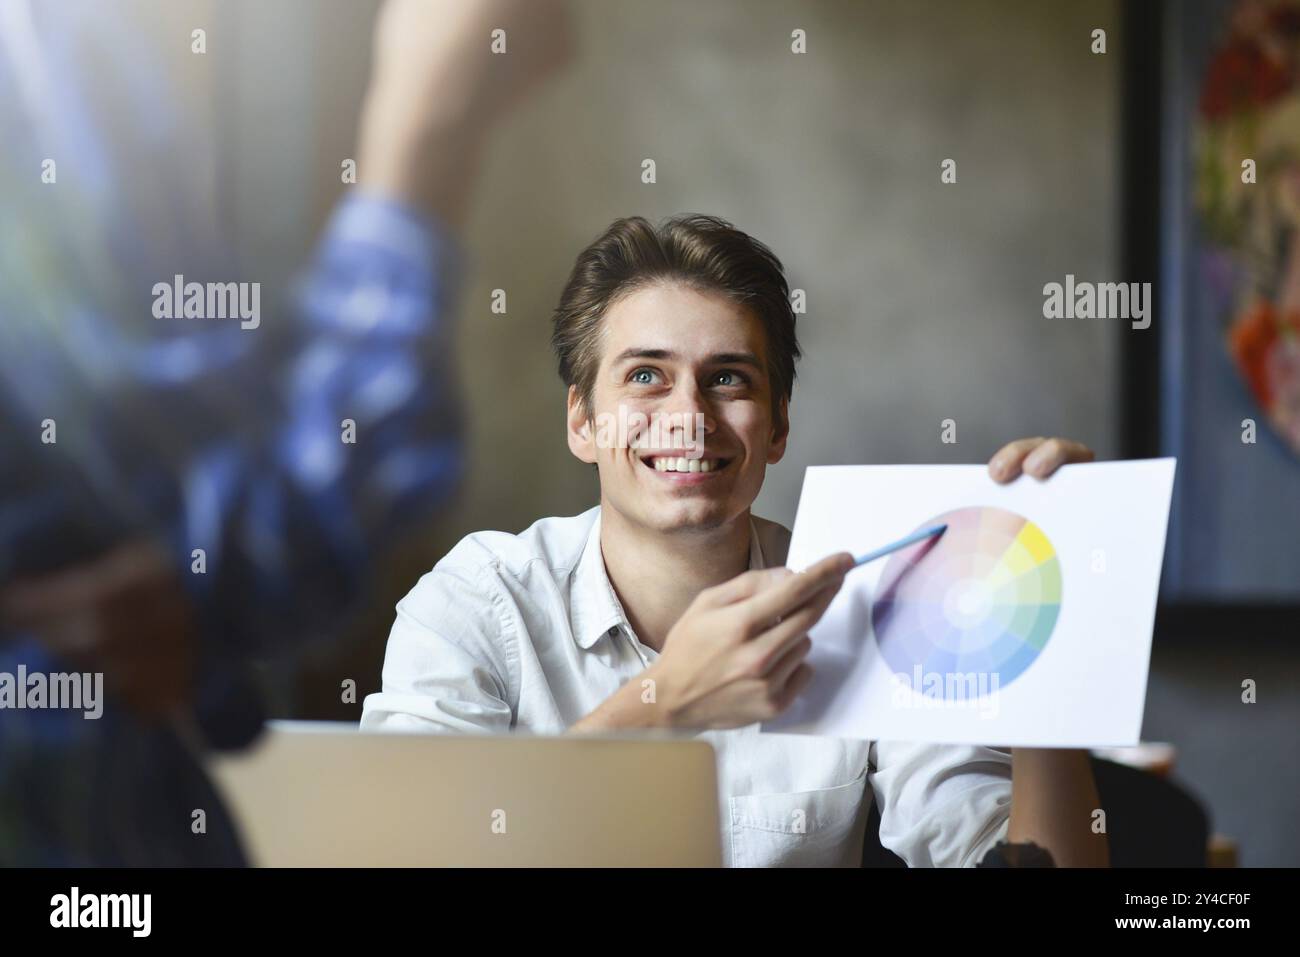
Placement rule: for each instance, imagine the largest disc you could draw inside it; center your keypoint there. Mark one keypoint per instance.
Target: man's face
(668, 353)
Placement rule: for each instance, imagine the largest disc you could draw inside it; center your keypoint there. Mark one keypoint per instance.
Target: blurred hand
(1036, 457)
(737, 655)
(125, 614)
(437, 89)
(439, 51)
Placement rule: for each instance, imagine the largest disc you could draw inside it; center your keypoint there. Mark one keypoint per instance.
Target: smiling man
(668, 606)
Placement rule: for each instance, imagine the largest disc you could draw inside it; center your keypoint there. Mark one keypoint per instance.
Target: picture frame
(1232, 564)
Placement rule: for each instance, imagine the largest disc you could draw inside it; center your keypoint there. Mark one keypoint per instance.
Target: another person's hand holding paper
(1052, 790)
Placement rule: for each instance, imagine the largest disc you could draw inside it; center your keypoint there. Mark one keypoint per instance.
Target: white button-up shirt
(525, 632)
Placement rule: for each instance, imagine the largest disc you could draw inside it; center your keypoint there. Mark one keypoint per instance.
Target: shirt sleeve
(357, 437)
(941, 805)
(449, 659)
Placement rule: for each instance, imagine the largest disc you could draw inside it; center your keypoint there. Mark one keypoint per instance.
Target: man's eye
(728, 377)
(643, 376)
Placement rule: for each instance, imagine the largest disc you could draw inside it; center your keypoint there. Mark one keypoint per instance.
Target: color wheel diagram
(980, 599)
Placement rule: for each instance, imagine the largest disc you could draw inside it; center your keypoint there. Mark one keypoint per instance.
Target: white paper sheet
(1028, 623)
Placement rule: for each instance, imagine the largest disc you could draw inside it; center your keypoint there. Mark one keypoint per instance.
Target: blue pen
(912, 539)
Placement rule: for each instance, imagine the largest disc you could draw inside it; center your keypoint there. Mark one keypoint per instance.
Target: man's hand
(1053, 793)
(440, 52)
(125, 615)
(735, 657)
(1037, 457)
(437, 89)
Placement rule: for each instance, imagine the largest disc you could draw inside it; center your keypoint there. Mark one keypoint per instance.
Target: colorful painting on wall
(1246, 184)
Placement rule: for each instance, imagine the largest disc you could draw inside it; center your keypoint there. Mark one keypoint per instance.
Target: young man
(667, 606)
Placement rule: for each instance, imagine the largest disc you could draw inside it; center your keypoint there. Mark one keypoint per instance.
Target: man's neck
(656, 575)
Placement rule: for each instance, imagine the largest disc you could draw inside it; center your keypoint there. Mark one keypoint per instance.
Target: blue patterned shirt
(195, 432)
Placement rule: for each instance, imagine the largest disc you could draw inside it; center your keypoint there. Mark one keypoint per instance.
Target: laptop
(324, 794)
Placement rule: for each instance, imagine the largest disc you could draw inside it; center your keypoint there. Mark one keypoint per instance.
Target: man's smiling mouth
(672, 463)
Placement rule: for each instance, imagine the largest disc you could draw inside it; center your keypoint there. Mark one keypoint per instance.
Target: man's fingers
(745, 585)
(779, 600)
(788, 662)
(28, 602)
(1052, 454)
(773, 643)
(799, 680)
(761, 581)
(1038, 457)
(75, 636)
(1008, 460)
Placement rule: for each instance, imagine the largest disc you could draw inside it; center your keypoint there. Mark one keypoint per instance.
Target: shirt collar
(594, 607)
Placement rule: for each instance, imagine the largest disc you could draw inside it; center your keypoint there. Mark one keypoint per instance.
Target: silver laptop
(325, 794)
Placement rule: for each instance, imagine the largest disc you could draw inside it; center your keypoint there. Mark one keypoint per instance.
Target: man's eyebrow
(718, 358)
(639, 353)
(735, 358)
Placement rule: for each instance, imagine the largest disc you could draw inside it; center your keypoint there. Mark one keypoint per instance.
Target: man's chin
(684, 510)
(692, 516)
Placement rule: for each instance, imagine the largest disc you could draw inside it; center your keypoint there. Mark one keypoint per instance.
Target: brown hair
(704, 252)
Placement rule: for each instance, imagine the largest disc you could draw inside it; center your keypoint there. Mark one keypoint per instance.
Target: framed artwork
(1211, 145)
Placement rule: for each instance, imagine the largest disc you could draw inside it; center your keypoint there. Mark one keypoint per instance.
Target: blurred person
(668, 606)
(171, 435)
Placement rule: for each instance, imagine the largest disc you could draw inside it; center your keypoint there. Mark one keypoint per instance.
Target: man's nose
(690, 404)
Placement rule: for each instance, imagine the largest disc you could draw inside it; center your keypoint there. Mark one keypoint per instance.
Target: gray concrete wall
(924, 299)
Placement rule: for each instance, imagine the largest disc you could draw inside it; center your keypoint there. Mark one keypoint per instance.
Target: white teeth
(666, 464)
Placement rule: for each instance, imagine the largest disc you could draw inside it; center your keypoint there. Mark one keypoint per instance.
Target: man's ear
(780, 432)
(582, 440)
